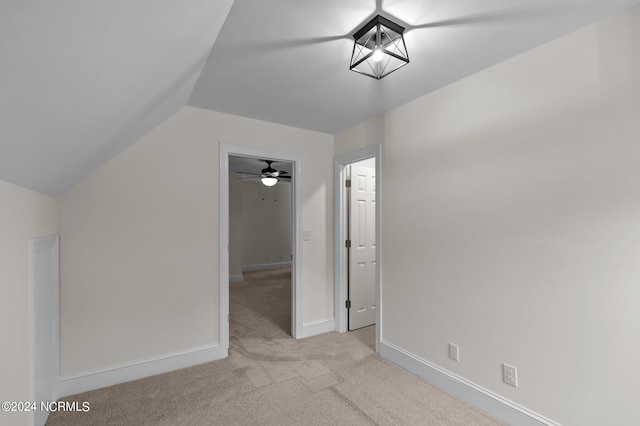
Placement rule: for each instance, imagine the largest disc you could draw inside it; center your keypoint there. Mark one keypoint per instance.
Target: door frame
(340, 251)
(296, 244)
(51, 244)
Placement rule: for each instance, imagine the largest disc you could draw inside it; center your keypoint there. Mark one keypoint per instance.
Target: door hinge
(347, 183)
(348, 304)
(347, 244)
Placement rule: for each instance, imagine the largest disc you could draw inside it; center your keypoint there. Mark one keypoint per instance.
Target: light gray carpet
(271, 379)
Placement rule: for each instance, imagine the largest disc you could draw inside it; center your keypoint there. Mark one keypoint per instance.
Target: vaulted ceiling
(80, 80)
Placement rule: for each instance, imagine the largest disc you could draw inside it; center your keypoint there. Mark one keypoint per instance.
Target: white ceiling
(80, 80)
(287, 62)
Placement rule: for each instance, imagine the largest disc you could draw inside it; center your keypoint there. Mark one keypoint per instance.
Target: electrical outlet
(305, 235)
(510, 375)
(454, 352)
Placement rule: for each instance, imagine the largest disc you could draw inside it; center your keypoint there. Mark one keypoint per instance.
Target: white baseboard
(236, 278)
(483, 399)
(314, 328)
(121, 373)
(265, 266)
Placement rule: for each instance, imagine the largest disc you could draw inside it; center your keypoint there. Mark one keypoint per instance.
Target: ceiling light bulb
(269, 180)
(377, 54)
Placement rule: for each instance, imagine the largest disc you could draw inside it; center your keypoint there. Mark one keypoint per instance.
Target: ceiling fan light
(269, 180)
(379, 48)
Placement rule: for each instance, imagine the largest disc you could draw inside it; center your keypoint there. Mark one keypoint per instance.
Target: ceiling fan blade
(250, 173)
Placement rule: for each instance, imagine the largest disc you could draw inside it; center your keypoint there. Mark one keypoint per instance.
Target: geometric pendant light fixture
(379, 49)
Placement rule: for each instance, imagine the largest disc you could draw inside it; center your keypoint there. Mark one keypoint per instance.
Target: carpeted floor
(271, 379)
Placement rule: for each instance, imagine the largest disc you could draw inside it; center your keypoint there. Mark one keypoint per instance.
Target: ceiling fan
(269, 176)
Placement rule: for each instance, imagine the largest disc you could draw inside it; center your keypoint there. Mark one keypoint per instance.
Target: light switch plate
(454, 352)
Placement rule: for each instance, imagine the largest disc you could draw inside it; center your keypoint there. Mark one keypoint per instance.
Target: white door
(362, 253)
(44, 322)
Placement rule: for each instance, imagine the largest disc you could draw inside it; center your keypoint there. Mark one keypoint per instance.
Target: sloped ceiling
(80, 80)
(287, 62)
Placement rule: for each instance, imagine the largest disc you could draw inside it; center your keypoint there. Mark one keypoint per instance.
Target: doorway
(361, 243)
(260, 246)
(227, 150)
(344, 255)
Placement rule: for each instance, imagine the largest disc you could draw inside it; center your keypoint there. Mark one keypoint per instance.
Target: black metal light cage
(379, 34)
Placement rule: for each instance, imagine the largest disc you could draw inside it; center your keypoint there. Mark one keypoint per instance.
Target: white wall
(264, 215)
(23, 214)
(236, 230)
(511, 225)
(366, 134)
(139, 240)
